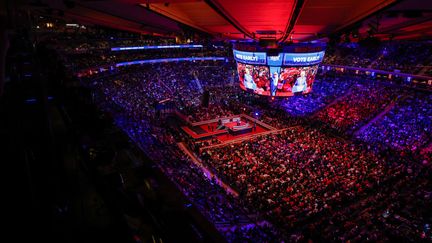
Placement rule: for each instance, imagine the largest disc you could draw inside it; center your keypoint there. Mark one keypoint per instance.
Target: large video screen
(254, 78)
(276, 81)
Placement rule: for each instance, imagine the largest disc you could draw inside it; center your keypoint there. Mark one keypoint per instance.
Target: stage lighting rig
(271, 45)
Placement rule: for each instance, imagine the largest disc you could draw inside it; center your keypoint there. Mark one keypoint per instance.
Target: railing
(377, 71)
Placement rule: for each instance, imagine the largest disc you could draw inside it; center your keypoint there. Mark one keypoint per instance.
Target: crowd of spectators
(302, 174)
(398, 211)
(426, 153)
(130, 98)
(403, 56)
(298, 183)
(91, 48)
(325, 90)
(105, 58)
(355, 109)
(406, 127)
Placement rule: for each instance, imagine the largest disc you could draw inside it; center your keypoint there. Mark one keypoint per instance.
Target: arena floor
(208, 130)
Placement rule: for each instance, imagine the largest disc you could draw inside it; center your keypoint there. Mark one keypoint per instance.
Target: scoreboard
(286, 72)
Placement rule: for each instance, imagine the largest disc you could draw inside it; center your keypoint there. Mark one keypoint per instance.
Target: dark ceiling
(297, 20)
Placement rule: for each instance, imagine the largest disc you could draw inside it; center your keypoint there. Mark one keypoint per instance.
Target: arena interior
(217, 121)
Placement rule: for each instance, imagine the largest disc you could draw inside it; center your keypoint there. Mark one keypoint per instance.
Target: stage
(238, 127)
(226, 129)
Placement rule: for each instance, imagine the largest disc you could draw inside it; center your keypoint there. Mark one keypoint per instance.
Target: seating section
(349, 162)
(404, 56)
(363, 102)
(406, 127)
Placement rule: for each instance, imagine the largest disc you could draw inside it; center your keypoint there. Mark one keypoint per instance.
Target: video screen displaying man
(300, 83)
(296, 80)
(276, 81)
(248, 80)
(254, 78)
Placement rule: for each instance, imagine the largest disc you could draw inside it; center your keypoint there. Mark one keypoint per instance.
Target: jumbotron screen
(284, 74)
(276, 81)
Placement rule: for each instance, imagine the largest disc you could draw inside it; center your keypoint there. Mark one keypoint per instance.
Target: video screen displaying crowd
(311, 180)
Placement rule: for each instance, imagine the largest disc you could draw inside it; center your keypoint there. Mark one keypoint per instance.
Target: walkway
(333, 102)
(243, 138)
(207, 172)
(379, 116)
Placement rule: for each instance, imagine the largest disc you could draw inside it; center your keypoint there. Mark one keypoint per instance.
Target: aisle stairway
(333, 102)
(198, 83)
(380, 115)
(208, 173)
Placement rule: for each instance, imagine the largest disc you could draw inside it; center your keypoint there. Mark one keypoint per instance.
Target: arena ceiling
(299, 20)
